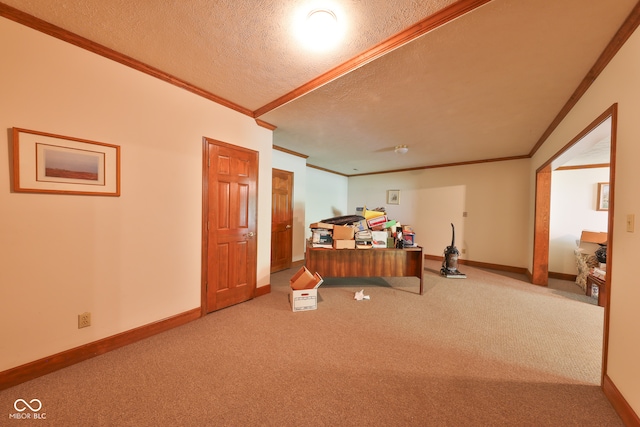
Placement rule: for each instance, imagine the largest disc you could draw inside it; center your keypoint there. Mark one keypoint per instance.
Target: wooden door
(281, 220)
(230, 229)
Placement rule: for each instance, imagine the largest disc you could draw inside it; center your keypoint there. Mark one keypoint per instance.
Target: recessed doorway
(540, 269)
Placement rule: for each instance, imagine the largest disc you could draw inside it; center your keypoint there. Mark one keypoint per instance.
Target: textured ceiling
(244, 51)
(484, 86)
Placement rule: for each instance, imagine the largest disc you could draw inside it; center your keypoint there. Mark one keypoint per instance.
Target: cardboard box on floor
(303, 294)
(303, 279)
(589, 241)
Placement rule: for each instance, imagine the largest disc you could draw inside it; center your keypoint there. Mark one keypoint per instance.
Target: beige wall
(619, 83)
(573, 209)
(326, 196)
(494, 230)
(129, 260)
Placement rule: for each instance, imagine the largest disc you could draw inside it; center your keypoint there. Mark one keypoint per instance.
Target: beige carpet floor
(483, 351)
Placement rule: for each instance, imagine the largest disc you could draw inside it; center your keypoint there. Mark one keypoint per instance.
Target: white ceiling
(592, 149)
(485, 85)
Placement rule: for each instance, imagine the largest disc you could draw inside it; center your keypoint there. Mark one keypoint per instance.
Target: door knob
(288, 226)
(251, 234)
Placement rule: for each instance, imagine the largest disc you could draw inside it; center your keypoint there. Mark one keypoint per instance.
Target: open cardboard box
(303, 294)
(343, 232)
(593, 236)
(303, 279)
(590, 241)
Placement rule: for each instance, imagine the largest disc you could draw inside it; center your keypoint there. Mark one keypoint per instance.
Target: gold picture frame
(393, 197)
(603, 196)
(48, 163)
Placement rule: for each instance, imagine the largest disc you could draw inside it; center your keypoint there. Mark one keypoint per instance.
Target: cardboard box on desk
(377, 222)
(590, 241)
(342, 232)
(321, 225)
(303, 294)
(363, 244)
(344, 244)
(379, 239)
(361, 226)
(409, 239)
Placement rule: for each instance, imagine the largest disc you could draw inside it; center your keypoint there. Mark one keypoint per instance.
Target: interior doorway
(542, 210)
(281, 220)
(543, 192)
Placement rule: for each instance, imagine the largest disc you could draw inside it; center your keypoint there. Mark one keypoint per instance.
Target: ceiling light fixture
(320, 30)
(401, 149)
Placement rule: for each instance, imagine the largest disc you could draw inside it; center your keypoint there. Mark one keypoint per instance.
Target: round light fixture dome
(322, 19)
(320, 30)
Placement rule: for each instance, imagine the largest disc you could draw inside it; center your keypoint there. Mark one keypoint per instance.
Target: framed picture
(48, 163)
(603, 196)
(393, 197)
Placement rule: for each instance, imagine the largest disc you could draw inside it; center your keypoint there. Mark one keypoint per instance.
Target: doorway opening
(540, 269)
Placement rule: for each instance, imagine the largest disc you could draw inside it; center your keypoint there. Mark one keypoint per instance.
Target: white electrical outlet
(84, 320)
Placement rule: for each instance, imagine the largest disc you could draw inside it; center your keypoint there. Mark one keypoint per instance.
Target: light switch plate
(631, 219)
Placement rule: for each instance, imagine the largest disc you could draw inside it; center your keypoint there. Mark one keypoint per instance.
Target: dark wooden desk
(602, 289)
(366, 262)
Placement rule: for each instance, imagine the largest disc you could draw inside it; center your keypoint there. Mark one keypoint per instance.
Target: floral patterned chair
(585, 262)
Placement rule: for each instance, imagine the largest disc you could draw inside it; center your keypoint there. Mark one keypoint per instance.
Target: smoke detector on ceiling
(401, 149)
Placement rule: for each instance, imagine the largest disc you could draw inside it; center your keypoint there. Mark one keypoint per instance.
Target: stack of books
(322, 237)
(363, 239)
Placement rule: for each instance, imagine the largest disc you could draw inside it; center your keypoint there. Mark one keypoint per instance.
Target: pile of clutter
(591, 257)
(372, 229)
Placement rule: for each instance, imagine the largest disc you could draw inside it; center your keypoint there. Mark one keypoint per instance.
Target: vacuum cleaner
(450, 263)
